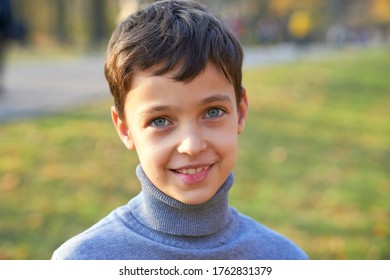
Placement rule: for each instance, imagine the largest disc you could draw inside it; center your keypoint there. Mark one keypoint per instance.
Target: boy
(175, 73)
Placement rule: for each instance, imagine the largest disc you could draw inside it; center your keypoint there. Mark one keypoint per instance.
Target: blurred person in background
(11, 29)
(5, 29)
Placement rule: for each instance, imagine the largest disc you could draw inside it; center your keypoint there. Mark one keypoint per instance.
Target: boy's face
(185, 134)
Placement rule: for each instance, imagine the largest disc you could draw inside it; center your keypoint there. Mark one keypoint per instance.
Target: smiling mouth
(191, 171)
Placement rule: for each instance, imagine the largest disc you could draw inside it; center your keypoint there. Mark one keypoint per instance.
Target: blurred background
(317, 76)
(88, 23)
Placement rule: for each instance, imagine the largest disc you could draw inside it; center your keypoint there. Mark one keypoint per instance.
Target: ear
(122, 129)
(242, 111)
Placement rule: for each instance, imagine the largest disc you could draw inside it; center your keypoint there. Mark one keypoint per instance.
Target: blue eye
(214, 113)
(159, 122)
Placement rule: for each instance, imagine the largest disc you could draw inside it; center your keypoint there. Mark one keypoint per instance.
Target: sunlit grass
(313, 163)
(316, 154)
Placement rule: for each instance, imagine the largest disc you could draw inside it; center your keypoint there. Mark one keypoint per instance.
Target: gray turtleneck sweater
(155, 226)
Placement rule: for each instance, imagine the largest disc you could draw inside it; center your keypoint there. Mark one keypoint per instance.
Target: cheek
(225, 142)
(152, 152)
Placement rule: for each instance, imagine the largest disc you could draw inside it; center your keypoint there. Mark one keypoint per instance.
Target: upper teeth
(191, 170)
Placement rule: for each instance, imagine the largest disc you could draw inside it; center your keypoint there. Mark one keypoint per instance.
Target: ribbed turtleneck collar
(163, 213)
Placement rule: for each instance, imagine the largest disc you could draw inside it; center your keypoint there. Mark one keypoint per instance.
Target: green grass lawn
(313, 164)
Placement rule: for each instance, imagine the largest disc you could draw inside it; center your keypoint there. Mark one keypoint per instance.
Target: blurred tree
(126, 7)
(61, 16)
(300, 25)
(280, 7)
(380, 11)
(98, 20)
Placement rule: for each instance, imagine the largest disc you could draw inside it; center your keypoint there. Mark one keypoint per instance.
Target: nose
(192, 141)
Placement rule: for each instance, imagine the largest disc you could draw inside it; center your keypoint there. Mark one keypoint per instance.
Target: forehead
(148, 89)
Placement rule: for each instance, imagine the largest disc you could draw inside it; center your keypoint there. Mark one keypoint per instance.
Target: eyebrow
(216, 98)
(205, 101)
(156, 109)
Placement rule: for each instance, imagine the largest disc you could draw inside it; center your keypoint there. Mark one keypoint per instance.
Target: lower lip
(193, 178)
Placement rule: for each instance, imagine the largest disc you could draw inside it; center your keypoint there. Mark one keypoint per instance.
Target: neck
(166, 214)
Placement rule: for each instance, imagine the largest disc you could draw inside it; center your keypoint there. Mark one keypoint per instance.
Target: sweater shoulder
(266, 243)
(97, 241)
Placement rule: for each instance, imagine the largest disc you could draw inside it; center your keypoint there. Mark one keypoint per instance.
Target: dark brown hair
(170, 35)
